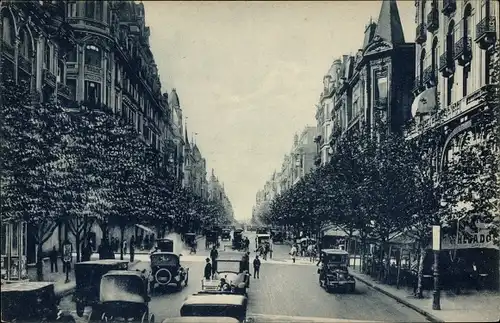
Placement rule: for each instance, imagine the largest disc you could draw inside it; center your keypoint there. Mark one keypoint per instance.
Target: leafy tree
(33, 139)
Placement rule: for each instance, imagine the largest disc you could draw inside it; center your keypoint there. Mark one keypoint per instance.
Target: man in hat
(208, 269)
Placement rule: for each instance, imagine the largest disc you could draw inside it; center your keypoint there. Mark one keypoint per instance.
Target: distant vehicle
(164, 245)
(262, 230)
(226, 234)
(190, 241)
(334, 273)
(261, 238)
(211, 239)
(237, 239)
(88, 276)
(31, 302)
(166, 269)
(124, 297)
(278, 237)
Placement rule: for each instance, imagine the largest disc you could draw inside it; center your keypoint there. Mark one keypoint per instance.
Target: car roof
(217, 299)
(130, 273)
(200, 319)
(25, 286)
(190, 234)
(335, 252)
(156, 253)
(164, 239)
(103, 262)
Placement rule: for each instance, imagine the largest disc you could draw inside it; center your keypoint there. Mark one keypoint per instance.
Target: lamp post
(436, 247)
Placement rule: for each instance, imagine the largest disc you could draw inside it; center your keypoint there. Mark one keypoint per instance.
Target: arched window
(434, 58)
(47, 56)
(467, 34)
(25, 48)
(8, 33)
(422, 62)
(450, 43)
(92, 55)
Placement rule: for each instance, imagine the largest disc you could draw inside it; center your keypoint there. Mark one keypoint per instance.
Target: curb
(425, 313)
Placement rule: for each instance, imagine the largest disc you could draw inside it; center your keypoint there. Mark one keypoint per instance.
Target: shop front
(13, 249)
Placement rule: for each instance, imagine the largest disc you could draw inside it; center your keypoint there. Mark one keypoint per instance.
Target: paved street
(285, 289)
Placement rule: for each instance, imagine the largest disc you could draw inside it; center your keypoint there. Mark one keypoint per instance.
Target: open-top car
(226, 234)
(208, 305)
(31, 302)
(88, 276)
(166, 269)
(124, 296)
(334, 273)
(230, 278)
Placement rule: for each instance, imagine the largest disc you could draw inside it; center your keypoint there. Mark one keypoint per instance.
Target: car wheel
(152, 318)
(104, 318)
(80, 308)
(186, 280)
(144, 317)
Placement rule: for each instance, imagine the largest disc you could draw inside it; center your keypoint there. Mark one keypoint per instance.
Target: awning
(424, 103)
(145, 228)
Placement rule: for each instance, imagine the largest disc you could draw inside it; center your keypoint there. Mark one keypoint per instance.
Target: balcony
(64, 90)
(446, 64)
(486, 32)
(421, 34)
(433, 20)
(463, 51)
(49, 78)
(449, 6)
(93, 69)
(429, 77)
(25, 64)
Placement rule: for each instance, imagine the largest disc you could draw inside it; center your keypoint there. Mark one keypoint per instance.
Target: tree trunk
(39, 262)
(77, 243)
(421, 260)
(381, 258)
(122, 233)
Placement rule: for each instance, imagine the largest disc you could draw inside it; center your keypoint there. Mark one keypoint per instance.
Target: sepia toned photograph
(249, 161)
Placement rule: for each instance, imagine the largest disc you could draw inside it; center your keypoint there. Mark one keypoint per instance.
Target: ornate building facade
(374, 87)
(453, 62)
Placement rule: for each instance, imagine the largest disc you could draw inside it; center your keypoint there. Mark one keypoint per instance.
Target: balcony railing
(49, 78)
(93, 69)
(429, 76)
(25, 64)
(486, 32)
(421, 35)
(8, 49)
(446, 64)
(433, 20)
(449, 6)
(463, 51)
(64, 90)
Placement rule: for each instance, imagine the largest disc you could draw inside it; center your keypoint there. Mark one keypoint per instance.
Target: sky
(249, 74)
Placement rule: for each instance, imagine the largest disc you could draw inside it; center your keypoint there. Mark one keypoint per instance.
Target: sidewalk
(481, 306)
(62, 288)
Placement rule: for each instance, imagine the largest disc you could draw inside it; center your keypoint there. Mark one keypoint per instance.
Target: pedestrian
(214, 254)
(53, 259)
(86, 252)
(132, 249)
(310, 252)
(208, 269)
(293, 252)
(256, 267)
(124, 247)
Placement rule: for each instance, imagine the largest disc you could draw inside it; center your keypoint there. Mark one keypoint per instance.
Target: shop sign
(481, 238)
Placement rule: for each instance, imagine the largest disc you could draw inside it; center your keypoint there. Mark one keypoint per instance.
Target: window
(8, 30)
(381, 89)
(47, 56)
(92, 55)
(60, 71)
(71, 8)
(434, 58)
(72, 55)
(90, 9)
(450, 43)
(93, 92)
(421, 68)
(71, 83)
(466, 69)
(25, 45)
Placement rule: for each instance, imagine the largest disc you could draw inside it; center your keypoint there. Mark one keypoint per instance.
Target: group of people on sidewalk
(310, 252)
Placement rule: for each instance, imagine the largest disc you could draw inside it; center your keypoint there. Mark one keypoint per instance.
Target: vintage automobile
(124, 296)
(226, 234)
(237, 239)
(32, 302)
(219, 305)
(88, 276)
(166, 270)
(201, 319)
(262, 230)
(230, 270)
(211, 239)
(334, 273)
(164, 245)
(190, 241)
